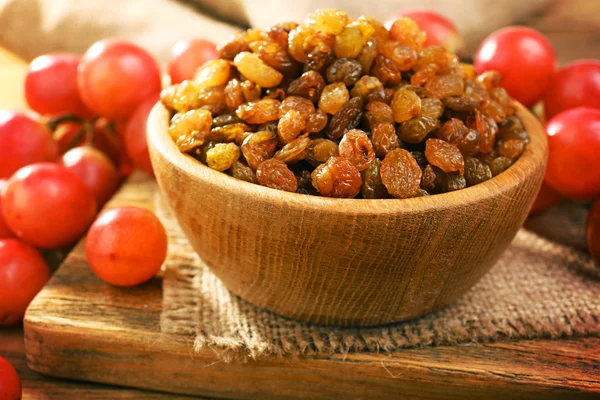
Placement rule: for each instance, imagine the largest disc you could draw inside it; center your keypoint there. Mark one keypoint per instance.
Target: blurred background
(33, 27)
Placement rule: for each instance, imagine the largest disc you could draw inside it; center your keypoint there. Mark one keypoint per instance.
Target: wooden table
(572, 26)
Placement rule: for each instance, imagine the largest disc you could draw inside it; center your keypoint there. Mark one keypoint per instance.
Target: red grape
(114, 76)
(525, 59)
(51, 85)
(10, 384)
(94, 169)
(440, 30)
(574, 145)
(23, 141)
(126, 246)
(5, 231)
(575, 85)
(135, 135)
(187, 55)
(592, 230)
(23, 273)
(546, 199)
(47, 205)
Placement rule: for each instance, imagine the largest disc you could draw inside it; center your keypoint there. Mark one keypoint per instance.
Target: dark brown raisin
(372, 187)
(476, 171)
(346, 116)
(416, 130)
(346, 70)
(309, 85)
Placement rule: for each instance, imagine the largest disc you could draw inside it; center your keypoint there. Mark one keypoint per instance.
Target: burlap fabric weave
(539, 288)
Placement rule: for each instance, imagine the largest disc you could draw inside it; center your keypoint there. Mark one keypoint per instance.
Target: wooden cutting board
(81, 328)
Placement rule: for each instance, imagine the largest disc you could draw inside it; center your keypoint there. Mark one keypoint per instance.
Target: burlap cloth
(539, 288)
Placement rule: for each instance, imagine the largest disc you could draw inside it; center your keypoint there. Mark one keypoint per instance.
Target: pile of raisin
(345, 108)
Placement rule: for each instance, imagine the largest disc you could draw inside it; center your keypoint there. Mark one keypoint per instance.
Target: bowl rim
(533, 157)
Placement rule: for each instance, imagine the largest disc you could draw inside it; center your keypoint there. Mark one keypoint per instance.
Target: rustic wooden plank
(82, 328)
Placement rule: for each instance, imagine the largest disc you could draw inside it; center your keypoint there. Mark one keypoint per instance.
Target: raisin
(213, 73)
(416, 130)
(400, 174)
(381, 95)
(356, 147)
(304, 106)
(234, 95)
(379, 31)
(345, 70)
(372, 187)
(189, 130)
(255, 70)
(222, 156)
(487, 129)
(433, 108)
(367, 55)
(432, 179)
(405, 105)
(500, 95)
(349, 43)
(365, 85)
(420, 158)
(319, 50)
(500, 164)
(320, 150)
(475, 91)
(346, 118)
(276, 56)
(290, 126)
(494, 110)
(304, 179)
(251, 91)
(186, 97)
(456, 132)
(424, 74)
(296, 40)
(199, 153)
(309, 85)
(328, 20)
(259, 112)
(444, 86)
(511, 149)
(316, 121)
(276, 175)
(258, 147)
(333, 97)
(445, 156)
(436, 56)
(403, 56)
(490, 79)
(384, 138)
(386, 71)
(364, 26)
(294, 151)
(243, 172)
(225, 119)
(476, 171)
(232, 48)
(407, 31)
(378, 112)
(454, 181)
(277, 35)
(227, 133)
(461, 103)
(512, 129)
(337, 177)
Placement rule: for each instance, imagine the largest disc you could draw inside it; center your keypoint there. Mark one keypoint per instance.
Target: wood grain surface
(81, 328)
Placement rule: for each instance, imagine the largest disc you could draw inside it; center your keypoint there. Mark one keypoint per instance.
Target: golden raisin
(328, 20)
(258, 147)
(349, 43)
(407, 31)
(433, 108)
(255, 69)
(384, 138)
(316, 122)
(276, 175)
(356, 147)
(304, 106)
(234, 96)
(320, 150)
(338, 177)
(222, 156)
(213, 73)
(378, 112)
(189, 130)
(296, 42)
(333, 97)
(400, 174)
(290, 126)
(445, 156)
(294, 151)
(251, 90)
(227, 133)
(259, 112)
(365, 85)
(405, 105)
(403, 56)
(445, 85)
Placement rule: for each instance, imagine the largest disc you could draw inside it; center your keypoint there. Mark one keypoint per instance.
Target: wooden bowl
(345, 261)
